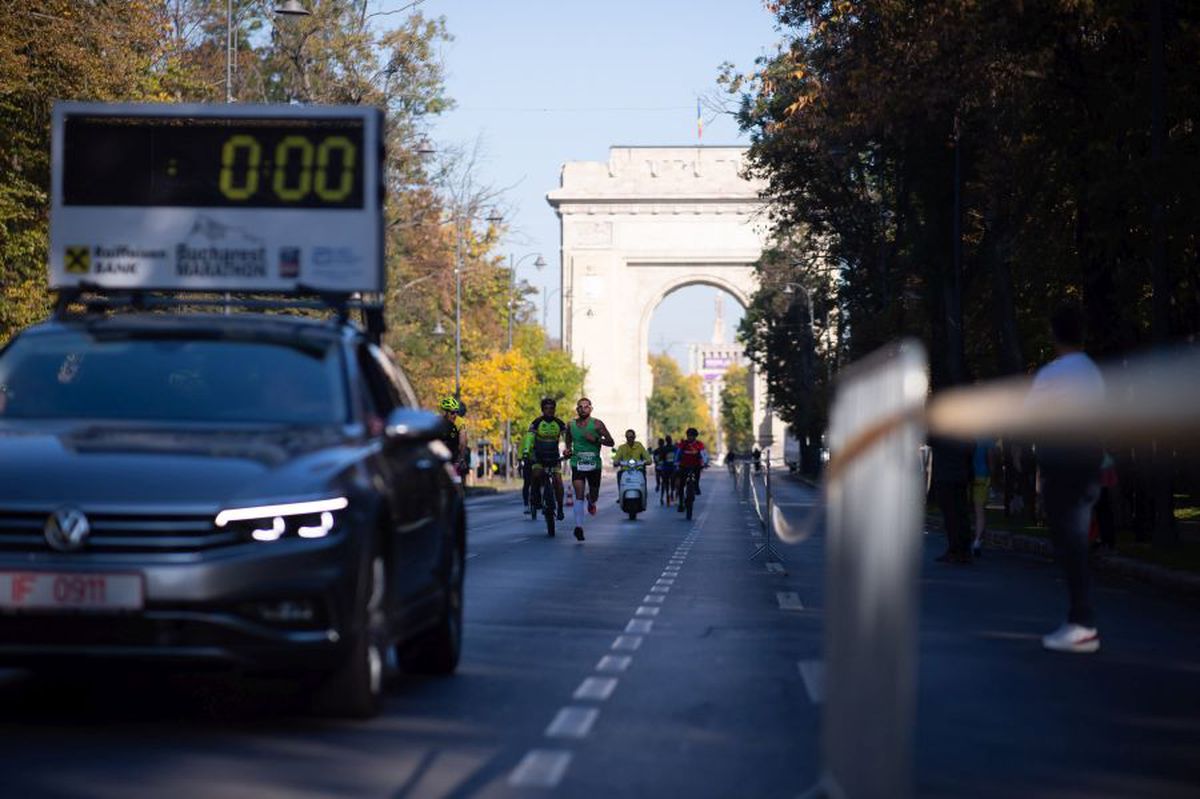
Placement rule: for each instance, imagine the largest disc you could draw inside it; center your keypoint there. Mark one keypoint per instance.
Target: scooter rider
(631, 450)
(547, 430)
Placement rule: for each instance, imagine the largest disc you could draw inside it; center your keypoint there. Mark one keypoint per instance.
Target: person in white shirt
(1070, 478)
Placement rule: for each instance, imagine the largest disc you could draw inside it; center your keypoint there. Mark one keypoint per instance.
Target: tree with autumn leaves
(953, 170)
(343, 53)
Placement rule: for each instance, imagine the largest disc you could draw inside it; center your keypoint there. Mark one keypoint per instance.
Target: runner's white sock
(580, 512)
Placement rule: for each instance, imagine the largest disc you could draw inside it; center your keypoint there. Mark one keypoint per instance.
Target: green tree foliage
(676, 402)
(60, 49)
(553, 374)
(737, 410)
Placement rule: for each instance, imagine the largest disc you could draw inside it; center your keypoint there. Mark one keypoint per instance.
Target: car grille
(120, 533)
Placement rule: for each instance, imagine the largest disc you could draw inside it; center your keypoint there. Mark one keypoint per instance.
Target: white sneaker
(1072, 638)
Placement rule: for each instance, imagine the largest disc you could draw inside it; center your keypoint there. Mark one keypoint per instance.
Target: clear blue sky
(542, 82)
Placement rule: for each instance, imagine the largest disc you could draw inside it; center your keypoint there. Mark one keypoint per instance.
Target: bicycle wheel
(549, 506)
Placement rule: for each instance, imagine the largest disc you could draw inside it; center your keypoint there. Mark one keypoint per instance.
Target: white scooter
(631, 486)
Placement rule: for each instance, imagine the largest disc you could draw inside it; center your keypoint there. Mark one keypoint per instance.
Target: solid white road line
(614, 663)
(597, 688)
(540, 768)
(813, 674)
(645, 611)
(641, 626)
(572, 722)
(789, 600)
(653, 599)
(627, 643)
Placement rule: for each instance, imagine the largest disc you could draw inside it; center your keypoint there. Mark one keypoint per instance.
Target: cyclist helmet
(450, 404)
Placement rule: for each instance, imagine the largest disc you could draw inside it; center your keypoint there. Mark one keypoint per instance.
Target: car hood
(98, 467)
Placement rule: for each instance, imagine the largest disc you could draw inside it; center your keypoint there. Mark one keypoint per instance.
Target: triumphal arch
(645, 223)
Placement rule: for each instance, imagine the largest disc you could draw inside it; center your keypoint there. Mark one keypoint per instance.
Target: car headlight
(315, 519)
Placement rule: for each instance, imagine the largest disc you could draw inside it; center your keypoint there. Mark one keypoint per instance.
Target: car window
(73, 374)
(399, 383)
(381, 393)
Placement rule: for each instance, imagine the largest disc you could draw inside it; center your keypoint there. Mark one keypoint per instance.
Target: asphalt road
(655, 659)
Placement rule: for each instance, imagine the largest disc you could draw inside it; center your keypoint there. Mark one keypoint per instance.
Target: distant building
(711, 361)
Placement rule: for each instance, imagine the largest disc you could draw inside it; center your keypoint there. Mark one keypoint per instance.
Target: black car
(252, 490)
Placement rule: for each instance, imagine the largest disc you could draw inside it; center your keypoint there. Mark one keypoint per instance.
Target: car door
(406, 486)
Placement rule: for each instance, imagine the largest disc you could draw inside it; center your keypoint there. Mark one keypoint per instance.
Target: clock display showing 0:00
(299, 168)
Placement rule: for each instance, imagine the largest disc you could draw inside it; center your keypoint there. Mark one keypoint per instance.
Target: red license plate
(70, 591)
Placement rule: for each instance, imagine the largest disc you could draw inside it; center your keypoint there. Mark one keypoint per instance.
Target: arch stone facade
(646, 223)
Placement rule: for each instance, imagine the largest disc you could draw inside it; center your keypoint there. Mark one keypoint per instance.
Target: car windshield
(171, 377)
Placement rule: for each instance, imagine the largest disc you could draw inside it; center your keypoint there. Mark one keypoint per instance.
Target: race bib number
(586, 462)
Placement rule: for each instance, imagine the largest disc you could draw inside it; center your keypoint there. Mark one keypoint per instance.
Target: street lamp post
(288, 8)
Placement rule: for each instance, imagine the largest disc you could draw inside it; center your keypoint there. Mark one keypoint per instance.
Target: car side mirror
(412, 425)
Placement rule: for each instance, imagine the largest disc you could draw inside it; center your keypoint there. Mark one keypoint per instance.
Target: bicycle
(688, 490)
(544, 496)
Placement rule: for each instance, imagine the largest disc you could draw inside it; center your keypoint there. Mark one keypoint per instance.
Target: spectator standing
(951, 473)
(1070, 478)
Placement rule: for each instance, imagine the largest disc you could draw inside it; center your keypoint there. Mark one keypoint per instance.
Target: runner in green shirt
(586, 436)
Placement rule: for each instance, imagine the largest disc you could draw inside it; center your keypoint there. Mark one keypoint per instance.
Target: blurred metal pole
(872, 552)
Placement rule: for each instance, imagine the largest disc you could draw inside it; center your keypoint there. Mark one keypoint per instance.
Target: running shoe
(1073, 638)
(579, 533)
(559, 515)
(591, 507)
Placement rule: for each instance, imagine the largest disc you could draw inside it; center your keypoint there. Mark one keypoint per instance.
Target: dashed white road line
(572, 722)
(789, 600)
(813, 674)
(660, 589)
(540, 768)
(654, 599)
(598, 688)
(665, 581)
(627, 643)
(614, 663)
(775, 567)
(641, 626)
(647, 611)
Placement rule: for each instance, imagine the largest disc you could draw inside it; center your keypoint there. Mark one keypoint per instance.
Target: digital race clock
(217, 197)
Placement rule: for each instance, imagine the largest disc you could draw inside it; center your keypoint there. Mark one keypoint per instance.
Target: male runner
(587, 435)
(667, 465)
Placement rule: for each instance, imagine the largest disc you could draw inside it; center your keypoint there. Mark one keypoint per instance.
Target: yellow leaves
(492, 389)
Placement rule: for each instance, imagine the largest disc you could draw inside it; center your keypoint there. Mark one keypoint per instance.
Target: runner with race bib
(587, 435)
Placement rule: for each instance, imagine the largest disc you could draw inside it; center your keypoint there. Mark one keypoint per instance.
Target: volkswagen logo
(67, 529)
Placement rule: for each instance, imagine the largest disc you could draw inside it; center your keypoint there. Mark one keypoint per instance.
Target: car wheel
(437, 651)
(355, 688)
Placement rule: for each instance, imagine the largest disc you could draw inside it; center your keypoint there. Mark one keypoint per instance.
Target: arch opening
(688, 346)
